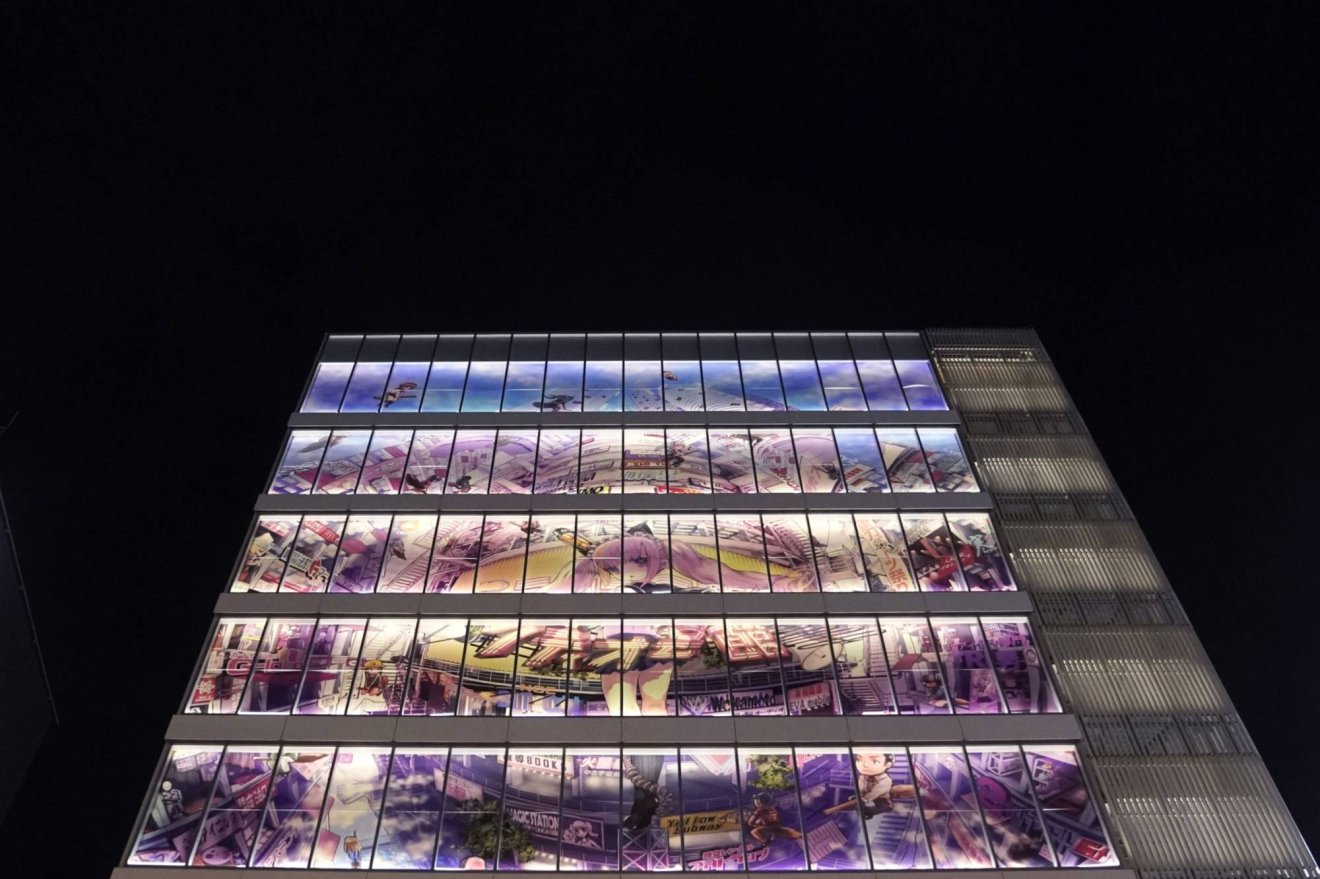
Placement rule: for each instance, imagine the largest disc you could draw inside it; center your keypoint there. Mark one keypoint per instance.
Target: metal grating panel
(1083, 557)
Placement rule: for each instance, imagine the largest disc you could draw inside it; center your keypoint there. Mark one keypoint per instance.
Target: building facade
(681, 602)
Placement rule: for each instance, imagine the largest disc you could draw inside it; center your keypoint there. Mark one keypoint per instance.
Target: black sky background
(192, 195)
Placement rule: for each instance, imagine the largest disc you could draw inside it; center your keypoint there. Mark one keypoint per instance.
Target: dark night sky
(191, 201)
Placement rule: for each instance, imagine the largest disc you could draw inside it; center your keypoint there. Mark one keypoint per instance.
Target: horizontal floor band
(186, 873)
(313, 729)
(303, 420)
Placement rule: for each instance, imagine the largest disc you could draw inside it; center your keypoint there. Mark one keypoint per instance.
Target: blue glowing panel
(641, 390)
(522, 386)
(859, 456)
(444, 387)
(682, 386)
(285, 835)
(920, 386)
(366, 389)
(761, 386)
(1017, 835)
(302, 457)
(972, 685)
(407, 383)
(342, 465)
(831, 822)
(880, 382)
(410, 813)
(802, 385)
(948, 465)
(347, 834)
(175, 811)
(386, 457)
(712, 831)
(485, 387)
(843, 392)
(604, 387)
(327, 388)
(723, 386)
(563, 387)
(888, 800)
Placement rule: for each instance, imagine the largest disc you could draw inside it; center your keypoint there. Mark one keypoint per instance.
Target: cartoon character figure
(580, 833)
(555, 402)
(668, 375)
(642, 771)
(462, 485)
(875, 788)
(397, 393)
(172, 799)
(764, 822)
(373, 678)
(422, 485)
(935, 693)
(353, 850)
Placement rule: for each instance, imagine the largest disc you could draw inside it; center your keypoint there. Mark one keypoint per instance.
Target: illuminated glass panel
(237, 798)
(644, 461)
(410, 815)
(742, 556)
(406, 386)
(971, 682)
(386, 457)
(808, 666)
(695, 565)
(563, 387)
(268, 551)
(712, 832)
(473, 820)
(444, 387)
(437, 660)
(557, 462)
(761, 386)
(863, 671)
(930, 546)
(343, 462)
(642, 386)
(1017, 835)
(651, 835)
(645, 554)
(175, 812)
(302, 458)
(522, 386)
(776, 462)
(469, 466)
(843, 392)
(689, 461)
(701, 669)
(620, 669)
(514, 468)
(948, 465)
(226, 666)
(380, 681)
(920, 386)
(367, 387)
(275, 676)
(788, 553)
(756, 683)
(731, 462)
(723, 384)
(818, 460)
(1016, 658)
(1071, 813)
(914, 666)
(682, 386)
(880, 383)
(772, 827)
(541, 668)
(859, 456)
(409, 554)
(328, 680)
(552, 554)
(503, 554)
(885, 553)
(347, 833)
(839, 563)
(529, 832)
(589, 826)
(604, 387)
(905, 465)
(983, 561)
(455, 554)
(327, 387)
(487, 688)
(802, 385)
(599, 541)
(284, 838)
(948, 805)
(428, 462)
(485, 387)
(361, 553)
(313, 554)
(887, 798)
(601, 464)
(830, 820)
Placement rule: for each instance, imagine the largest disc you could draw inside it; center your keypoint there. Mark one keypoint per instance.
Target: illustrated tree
(488, 826)
(773, 773)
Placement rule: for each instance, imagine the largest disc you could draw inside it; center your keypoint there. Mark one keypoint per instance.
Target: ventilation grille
(1091, 557)
(1151, 670)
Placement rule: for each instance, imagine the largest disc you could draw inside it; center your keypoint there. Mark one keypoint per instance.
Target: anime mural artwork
(772, 820)
(436, 661)
(386, 458)
(589, 827)
(712, 833)
(328, 674)
(240, 790)
(296, 473)
(887, 798)
(818, 461)
(682, 386)
(930, 546)
(861, 667)
(313, 554)
(226, 667)
(1014, 827)
(263, 563)
(949, 808)
(831, 821)
(723, 384)
(529, 835)
(863, 470)
(688, 456)
(503, 554)
(557, 462)
(645, 462)
(1016, 659)
(298, 788)
(967, 670)
(944, 455)
(472, 820)
(914, 666)
(650, 835)
(553, 554)
(600, 465)
(470, 464)
(428, 462)
(410, 813)
(408, 554)
(884, 553)
(790, 553)
(905, 464)
(342, 464)
(347, 835)
(175, 811)
(732, 471)
(1072, 817)
(379, 683)
(776, 462)
(839, 562)
(808, 667)
(361, 553)
(621, 669)
(273, 684)
(455, 554)
(982, 560)
(514, 468)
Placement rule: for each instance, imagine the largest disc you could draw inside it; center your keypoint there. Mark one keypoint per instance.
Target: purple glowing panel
(971, 682)
(948, 464)
(284, 838)
(772, 823)
(1017, 835)
(818, 461)
(278, 668)
(930, 546)
(302, 457)
(237, 798)
(404, 391)
(386, 457)
(914, 666)
(788, 552)
(887, 797)
(408, 555)
(920, 386)
(175, 811)
(863, 470)
(1071, 813)
(267, 553)
(731, 466)
(361, 553)
(444, 387)
(343, 462)
(880, 383)
(831, 822)
(327, 681)
(410, 813)
(1016, 659)
(469, 466)
(437, 658)
(589, 826)
(380, 680)
(802, 385)
(983, 562)
(428, 462)
(312, 556)
(712, 833)
(557, 462)
(366, 388)
(514, 468)
(522, 387)
(226, 666)
(843, 392)
(949, 807)
(471, 826)
(347, 834)
(327, 388)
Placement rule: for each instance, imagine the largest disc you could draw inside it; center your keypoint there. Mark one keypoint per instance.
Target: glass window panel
(428, 462)
(1017, 836)
(645, 461)
(843, 392)
(1071, 813)
(622, 669)
(563, 387)
(682, 386)
(914, 666)
(695, 565)
(862, 669)
(830, 819)
(723, 386)
(454, 558)
(514, 468)
(808, 665)
(267, 553)
(712, 813)
(1016, 658)
(651, 835)
(361, 552)
(380, 682)
(279, 666)
(541, 668)
(642, 386)
(689, 461)
(884, 549)
(327, 388)
(410, 816)
(599, 541)
(444, 387)
(772, 828)
(701, 670)
(838, 554)
(409, 555)
(473, 820)
(503, 554)
(645, 554)
(888, 800)
(226, 666)
(756, 683)
(930, 546)
(788, 552)
(557, 462)
(731, 462)
(469, 467)
(761, 386)
(529, 835)
(487, 688)
(522, 386)
(948, 805)
(742, 555)
(284, 838)
(604, 387)
(595, 676)
(818, 461)
(802, 385)
(590, 823)
(437, 658)
(405, 388)
(313, 554)
(859, 456)
(176, 806)
(948, 464)
(905, 465)
(983, 562)
(366, 388)
(386, 456)
(971, 682)
(880, 383)
(343, 462)
(352, 810)
(919, 384)
(236, 800)
(328, 681)
(485, 387)
(601, 462)
(776, 462)
(552, 555)
(302, 457)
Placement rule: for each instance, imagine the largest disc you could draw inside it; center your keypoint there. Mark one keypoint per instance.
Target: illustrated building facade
(679, 602)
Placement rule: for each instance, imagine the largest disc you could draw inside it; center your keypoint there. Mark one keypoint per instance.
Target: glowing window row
(627, 386)
(612, 460)
(632, 552)
(770, 807)
(629, 666)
